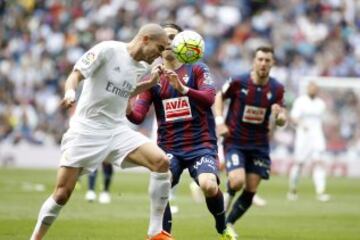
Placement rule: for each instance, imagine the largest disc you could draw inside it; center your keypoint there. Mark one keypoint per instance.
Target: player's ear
(145, 39)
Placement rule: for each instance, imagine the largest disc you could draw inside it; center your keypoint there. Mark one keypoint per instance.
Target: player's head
(312, 89)
(151, 41)
(263, 61)
(171, 30)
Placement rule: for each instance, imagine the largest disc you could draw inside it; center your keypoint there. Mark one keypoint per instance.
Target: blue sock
(241, 205)
(108, 172)
(215, 205)
(92, 180)
(167, 220)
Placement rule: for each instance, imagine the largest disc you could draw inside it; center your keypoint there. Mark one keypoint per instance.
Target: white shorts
(303, 155)
(88, 150)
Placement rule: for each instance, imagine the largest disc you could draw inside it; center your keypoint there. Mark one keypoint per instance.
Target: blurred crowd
(41, 40)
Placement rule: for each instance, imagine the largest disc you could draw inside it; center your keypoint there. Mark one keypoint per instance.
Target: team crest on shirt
(89, 58)
(269, 95)
(177, 109)
(186, 78)
(254, 115)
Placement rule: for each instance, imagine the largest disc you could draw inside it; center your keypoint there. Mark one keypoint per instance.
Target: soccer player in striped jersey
(256, 100)
(186, 127)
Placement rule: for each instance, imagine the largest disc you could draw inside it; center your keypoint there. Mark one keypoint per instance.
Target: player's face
(262, 64)
(312, 89)
(168, 53)
(153, 48)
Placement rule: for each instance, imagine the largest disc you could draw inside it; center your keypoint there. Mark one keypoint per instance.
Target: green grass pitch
(126, 218)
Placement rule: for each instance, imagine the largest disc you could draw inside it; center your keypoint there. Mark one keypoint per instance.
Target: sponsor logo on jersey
(205, 160)
(177, 109)
(208, 79)
(255, 115)
(117, 69)
(125, 91)
(244, 91)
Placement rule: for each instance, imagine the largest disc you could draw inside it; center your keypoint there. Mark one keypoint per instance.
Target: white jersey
(309, 114)
(111, 75)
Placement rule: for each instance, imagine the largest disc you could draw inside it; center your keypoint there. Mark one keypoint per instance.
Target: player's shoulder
(241, 78)
(198, 66)
(276, 83)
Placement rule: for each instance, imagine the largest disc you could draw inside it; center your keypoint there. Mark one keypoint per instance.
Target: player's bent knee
(62, 195)
(209, 187)
(160, 164)
(236, 183)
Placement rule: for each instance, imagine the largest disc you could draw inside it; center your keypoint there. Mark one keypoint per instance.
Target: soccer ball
(188, 46)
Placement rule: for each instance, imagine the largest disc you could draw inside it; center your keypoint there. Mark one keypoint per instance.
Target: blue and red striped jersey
(186, 124)
(249, 110)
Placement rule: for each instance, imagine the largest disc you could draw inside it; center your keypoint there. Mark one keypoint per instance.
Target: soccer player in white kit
(307, 114)
(98, 130)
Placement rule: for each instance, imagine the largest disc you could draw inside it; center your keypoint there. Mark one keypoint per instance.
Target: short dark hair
(172, 25)
(266, 49)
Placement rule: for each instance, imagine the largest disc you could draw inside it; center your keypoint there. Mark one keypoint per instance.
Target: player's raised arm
(221, 128)
(136, 110)
(156, 71)
(71, 84)
(204, 95)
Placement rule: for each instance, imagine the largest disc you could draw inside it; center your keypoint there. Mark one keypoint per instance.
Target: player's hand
(69, 99)
(174, 80)
(222, 130)
(276, 109)
(279, 114)
(156, 72)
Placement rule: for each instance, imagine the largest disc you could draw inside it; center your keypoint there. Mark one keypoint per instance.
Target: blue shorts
(195, 166)
(253, 160)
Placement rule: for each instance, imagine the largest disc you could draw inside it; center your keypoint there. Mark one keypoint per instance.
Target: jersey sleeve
(204, 95)
(280, 96)
(229, 88)
(91, 60)
(203, 77)
(296, 109)
(140, 108)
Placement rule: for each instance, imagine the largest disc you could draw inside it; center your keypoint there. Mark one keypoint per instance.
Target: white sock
(159, 188)
(172, 193)
(294, 177)
(47, 215)
(319, 178)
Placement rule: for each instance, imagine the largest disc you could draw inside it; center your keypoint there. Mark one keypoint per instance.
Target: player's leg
(243, 203)
(294, 177)
(319, 177)
(105, 197)
(235, 175)
(204, 171)
(257, 167)
(66, 181)
(152, 157)
(176, 169)
(91, 194)
(302, 153)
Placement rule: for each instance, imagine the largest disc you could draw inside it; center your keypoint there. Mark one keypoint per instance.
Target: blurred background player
(104, 196)
(186, 127)
(255, 97)
(307, 114)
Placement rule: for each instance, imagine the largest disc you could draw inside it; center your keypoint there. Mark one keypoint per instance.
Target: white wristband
(185, 90)
(219, 120)
(70, 95)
